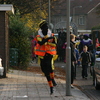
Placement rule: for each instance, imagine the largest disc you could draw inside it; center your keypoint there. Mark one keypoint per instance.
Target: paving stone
(22, 85)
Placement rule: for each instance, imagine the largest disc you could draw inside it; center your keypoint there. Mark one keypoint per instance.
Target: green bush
(19, 39)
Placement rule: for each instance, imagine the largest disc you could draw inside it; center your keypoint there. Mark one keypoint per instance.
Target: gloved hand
(50, 38)
(45, 40)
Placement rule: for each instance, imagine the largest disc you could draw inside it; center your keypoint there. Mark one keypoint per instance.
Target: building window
(81, 20)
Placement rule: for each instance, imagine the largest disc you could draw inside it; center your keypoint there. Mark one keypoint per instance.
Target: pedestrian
(85, 61)
(46, 49)
(77, 59)
(33, 44)
(64, 51)
(61, 41)
(73, 58)
(85, 41)
(92, 55)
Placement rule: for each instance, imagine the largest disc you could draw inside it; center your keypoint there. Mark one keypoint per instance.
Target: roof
(87, 5)
(6, 7)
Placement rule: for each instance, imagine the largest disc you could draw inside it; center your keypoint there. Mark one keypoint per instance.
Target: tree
(19, 39)
(33, 10)
(24, 23)
(29, 6)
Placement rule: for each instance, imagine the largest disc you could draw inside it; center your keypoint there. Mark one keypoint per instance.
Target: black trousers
(84, 70)
(46, 64)
(72, 72)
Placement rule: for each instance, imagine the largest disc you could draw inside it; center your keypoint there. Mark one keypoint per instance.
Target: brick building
(4, 35)
(82, 12)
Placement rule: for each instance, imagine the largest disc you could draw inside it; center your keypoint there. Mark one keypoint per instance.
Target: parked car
(96, 74)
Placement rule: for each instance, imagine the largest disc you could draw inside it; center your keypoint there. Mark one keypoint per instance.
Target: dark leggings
(46, 67)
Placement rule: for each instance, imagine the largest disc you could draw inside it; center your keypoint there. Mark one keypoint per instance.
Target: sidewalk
(22, 85)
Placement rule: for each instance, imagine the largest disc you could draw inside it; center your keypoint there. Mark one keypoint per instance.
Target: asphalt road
(86, 85)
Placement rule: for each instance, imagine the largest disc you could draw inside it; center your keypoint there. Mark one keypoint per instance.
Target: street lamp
(74, 17)
(68, 52)
(49, 17)
(74, 11)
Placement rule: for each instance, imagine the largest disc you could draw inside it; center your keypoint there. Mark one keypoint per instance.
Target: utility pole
(49, 18)
(73, 17)
(68, 52)
(74, 12)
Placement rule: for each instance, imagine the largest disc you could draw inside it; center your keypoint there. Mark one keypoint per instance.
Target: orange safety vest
(41, 50)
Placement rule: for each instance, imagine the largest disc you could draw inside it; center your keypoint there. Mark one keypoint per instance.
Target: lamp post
(68, 53)
(74, 11)
(49, 17)
(74, 17)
